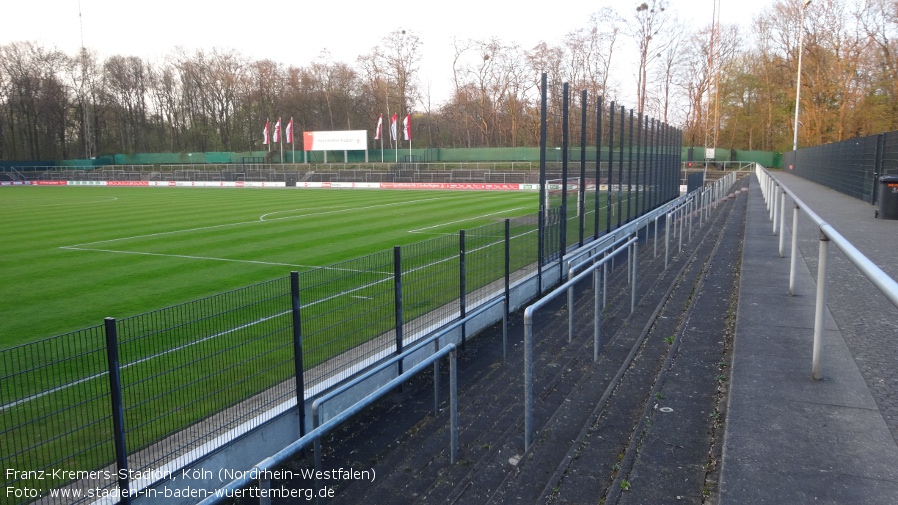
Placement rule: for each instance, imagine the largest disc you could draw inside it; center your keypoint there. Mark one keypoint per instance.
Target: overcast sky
(295, 32)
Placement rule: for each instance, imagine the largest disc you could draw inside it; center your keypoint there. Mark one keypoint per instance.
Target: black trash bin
(888, 197)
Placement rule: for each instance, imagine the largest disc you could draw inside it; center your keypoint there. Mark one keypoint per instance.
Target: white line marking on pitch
(350, 209)
(84, 246)
(188, 344)
(419, 230)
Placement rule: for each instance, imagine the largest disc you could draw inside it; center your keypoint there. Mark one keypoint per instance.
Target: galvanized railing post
(453, 405)
(118, 410)
(633, 281)
(528, 378)
(691, 210)
(436, 379)
(782, 222)
(666, 238)
(793, 261)
(265, 487)
(682, 218)
(570, 307)
(775, 207)
(597, 312)
(821, 305)
(605, 283)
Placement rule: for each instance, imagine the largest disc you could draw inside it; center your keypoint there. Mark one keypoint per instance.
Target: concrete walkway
(790, 438)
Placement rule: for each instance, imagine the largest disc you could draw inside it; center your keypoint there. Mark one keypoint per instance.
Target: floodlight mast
(804, 7)
(86, 96)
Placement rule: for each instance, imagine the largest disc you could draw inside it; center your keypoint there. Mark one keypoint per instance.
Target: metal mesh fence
(485, 263)
(54, 406)
(852, 166)
(205, 372)
(182, 364)
(347, 314)
(430, 283)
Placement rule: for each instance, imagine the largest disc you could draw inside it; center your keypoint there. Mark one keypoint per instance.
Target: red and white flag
(393, 127)
(277, 132)
(290, 131)
(265, 134)
(380, 124)
(407, 127)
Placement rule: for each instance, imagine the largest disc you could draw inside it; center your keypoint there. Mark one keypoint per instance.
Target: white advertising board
(347, 140)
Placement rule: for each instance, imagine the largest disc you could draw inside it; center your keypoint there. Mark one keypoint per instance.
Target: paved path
(789, 438)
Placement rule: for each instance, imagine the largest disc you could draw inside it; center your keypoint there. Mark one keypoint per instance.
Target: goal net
(574, 188)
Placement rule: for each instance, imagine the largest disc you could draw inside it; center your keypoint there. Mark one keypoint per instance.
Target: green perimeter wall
(432, 155)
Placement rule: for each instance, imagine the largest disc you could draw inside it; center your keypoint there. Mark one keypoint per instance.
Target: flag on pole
(277, 132)
(393, 127)
(407, 127)
(265, 134)
(380, 123)
(290, 131)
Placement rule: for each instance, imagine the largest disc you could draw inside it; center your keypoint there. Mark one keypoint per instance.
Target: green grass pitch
(71, 256)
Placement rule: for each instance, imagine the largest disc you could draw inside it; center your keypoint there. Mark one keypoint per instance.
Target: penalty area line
(213, 258)
(421, 230)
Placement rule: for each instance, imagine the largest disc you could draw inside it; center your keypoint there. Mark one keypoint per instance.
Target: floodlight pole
(804, 7)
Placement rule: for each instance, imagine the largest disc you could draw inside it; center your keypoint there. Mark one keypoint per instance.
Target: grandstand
(498, 173)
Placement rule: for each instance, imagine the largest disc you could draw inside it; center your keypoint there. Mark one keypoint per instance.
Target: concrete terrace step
(408, 448)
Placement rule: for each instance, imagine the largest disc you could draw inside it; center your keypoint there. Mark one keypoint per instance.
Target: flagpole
(292, 143)
(281, 142)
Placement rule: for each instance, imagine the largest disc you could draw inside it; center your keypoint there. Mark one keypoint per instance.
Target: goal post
(576, 190)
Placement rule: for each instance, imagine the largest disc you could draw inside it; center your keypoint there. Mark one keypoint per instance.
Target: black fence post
(581, 191)
(630, 171)
(118, 411)
(639, 164)
(620, 171)
(507, 265)
(462, 284)
(397, 296)
(297, 352)
(598, 162)
(608, 203)
(540, 224)
(562, 239)
(653, 162)
(877, 168)
(540, 243)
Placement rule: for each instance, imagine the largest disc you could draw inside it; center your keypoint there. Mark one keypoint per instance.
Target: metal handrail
(261, 470)
(321, 429)
(880, 279)
(528, 332)
(677, 211)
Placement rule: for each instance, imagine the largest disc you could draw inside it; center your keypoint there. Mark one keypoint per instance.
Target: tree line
(725, 86)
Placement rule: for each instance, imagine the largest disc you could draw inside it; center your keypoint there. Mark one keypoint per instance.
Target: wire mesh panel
(485, 262)
(347, 314)
(524, 246)
(552, 234)
(180, 365)
(54, 406)
(430, 283)
(847, 167)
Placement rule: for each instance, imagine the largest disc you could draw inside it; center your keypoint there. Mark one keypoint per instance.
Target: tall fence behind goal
(615, 165)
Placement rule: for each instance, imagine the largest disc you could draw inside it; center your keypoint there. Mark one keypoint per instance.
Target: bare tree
(647, 29)
(590, 52)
